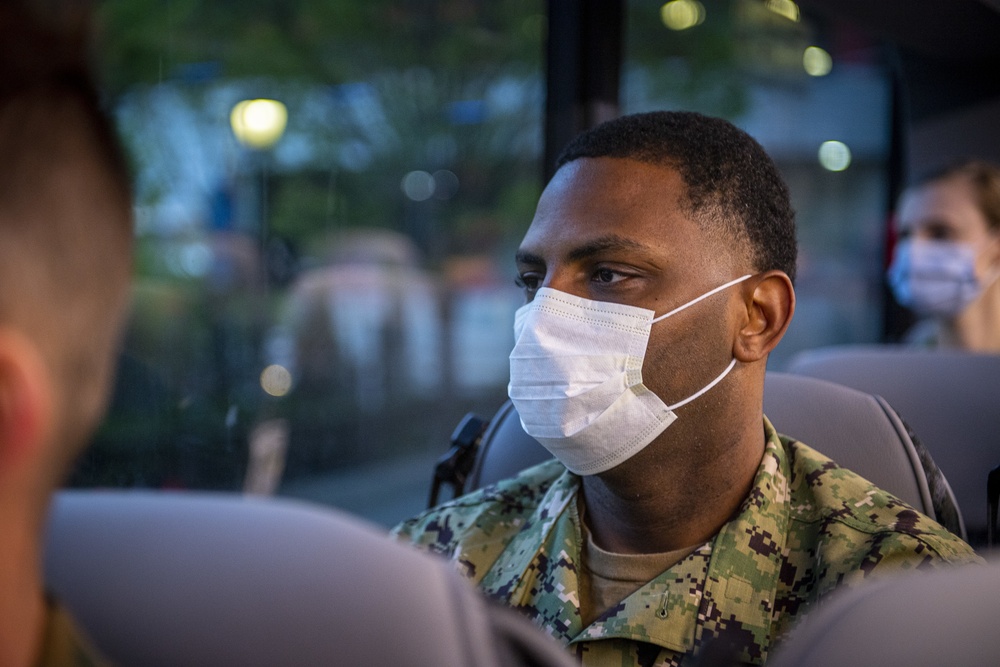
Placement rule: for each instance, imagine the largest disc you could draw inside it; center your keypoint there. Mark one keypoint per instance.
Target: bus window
(328, 196)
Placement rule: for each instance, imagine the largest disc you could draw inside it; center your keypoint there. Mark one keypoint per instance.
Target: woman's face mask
(934, 271)
(935, 278)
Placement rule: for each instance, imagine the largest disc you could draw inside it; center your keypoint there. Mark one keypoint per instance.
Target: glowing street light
(834, 155)
(786, 8)
(258, 123)
(682, 14)
(816, 61)
(276, 380)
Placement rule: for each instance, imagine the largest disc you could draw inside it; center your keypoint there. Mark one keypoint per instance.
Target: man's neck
(22, 605)
(657, 502)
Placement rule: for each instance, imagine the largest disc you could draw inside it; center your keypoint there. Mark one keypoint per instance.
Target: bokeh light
(445, 184)
(786, 8)
(682, 14)
(834, 156)
(276, 380)
(259, 123)
(816, 61)
(418, 185)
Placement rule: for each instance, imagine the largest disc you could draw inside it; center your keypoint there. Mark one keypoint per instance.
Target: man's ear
(770, 305)
(26, 402)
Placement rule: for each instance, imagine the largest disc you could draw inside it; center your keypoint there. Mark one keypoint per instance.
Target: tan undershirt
(608, 578)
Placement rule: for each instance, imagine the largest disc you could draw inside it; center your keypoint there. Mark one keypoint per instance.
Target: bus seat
(941, 617)
(858, 430)
(160, 578)
(949, 398)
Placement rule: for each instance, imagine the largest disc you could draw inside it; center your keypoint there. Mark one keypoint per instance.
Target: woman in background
(946, 267)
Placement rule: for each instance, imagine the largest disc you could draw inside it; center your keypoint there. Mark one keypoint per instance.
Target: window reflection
(313, 312)
(319, 299)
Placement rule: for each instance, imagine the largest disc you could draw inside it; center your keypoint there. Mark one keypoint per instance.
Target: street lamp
(258, 123)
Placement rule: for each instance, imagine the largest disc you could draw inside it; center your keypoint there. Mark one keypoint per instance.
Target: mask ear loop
(705, 389)
(732, 363)
(703, 296)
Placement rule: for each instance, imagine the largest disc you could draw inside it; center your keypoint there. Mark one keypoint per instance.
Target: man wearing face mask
(658, 277)
(946, 267)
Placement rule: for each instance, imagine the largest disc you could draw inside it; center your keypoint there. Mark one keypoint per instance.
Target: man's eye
(607, 276)
(527, 282)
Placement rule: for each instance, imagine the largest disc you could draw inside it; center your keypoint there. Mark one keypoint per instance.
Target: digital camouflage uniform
(63, 644)
(806, 527)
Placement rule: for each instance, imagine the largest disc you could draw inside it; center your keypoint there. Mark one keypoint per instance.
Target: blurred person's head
(958, 203)
(65, 262)
(948, 256)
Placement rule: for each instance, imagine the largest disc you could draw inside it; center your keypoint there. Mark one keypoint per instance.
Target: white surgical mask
(576, 378)
(934, 278)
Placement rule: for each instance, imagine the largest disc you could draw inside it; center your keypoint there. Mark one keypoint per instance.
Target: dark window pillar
(583, 70)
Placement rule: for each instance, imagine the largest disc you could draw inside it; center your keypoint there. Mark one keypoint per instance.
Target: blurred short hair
(65, 203)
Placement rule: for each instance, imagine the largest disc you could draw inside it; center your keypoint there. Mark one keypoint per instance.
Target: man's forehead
(618, 175)
(612, 204)
(611, 189)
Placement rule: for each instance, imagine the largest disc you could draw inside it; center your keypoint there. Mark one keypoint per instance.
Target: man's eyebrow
(522, 257)
(603, 244)
(589, 249)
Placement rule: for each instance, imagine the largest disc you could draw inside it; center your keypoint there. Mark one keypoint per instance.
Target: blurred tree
(375, 89)
(148, 41)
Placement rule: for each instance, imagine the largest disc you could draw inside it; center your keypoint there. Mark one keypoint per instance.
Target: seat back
(951, 399)
(216, 579)
(919, 619)
(857, 430)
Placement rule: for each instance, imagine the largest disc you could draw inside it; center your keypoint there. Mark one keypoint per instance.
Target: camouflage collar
(63, 644)
(725, 588)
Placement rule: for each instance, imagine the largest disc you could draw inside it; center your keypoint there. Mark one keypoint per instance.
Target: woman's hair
(985, 180)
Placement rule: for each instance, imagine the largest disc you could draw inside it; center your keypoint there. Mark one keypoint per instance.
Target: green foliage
(401, 85)
(148, 41)
(695, 68)
(710, 67)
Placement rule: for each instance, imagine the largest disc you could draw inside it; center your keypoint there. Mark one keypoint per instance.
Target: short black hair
(734, 188)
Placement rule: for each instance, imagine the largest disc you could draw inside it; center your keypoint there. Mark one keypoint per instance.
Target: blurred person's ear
(26, 402)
